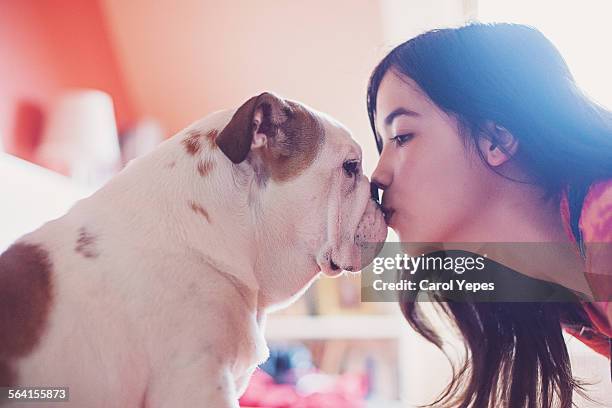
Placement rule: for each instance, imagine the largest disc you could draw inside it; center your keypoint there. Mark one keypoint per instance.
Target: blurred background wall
(178, 61)
(209, 57)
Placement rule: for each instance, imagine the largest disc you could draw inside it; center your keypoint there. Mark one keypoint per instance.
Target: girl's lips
(388, 213)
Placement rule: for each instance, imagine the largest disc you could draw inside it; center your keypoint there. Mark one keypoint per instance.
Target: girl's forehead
(400, 96)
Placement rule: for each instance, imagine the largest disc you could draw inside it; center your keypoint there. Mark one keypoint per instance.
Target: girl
(484, 136)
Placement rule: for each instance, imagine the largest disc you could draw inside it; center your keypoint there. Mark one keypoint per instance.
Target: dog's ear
(252, 124)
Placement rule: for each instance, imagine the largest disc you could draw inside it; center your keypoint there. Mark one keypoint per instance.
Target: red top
(595, 225)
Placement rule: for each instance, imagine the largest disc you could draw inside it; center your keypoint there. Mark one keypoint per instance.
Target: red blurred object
(27, 131)
(349, 391)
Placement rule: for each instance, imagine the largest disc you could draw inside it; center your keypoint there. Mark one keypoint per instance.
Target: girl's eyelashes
(401, 140)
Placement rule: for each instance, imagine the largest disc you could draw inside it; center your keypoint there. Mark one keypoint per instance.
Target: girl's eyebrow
(389, 119)
(399, 112)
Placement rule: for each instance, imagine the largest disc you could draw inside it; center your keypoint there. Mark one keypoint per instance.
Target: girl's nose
(382, 177)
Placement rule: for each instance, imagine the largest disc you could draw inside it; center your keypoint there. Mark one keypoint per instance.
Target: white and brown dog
(153, 291)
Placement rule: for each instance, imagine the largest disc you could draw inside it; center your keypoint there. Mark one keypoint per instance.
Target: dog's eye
(351, 167)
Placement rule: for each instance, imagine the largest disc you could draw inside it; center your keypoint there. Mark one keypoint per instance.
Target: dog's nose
(374, 192)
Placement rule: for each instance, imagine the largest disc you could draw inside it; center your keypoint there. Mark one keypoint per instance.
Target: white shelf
(354, 327)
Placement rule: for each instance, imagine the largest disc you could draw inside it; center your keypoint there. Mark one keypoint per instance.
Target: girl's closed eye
(402, 139)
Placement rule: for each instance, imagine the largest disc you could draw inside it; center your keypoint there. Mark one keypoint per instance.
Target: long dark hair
(512, 76)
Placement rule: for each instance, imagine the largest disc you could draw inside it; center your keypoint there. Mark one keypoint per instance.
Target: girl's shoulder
(596, 215)
(595, 238)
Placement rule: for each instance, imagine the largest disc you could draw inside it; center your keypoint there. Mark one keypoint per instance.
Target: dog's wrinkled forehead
(292, 132)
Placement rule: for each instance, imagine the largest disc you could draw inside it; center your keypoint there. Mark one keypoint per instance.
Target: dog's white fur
(170, 311)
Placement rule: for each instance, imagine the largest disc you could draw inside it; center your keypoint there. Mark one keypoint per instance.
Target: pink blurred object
(347, 391)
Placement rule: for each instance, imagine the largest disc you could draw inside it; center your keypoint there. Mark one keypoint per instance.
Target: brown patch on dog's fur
(25, 300)
(85, 244)
(295, 144)
(198, 209)
(192, 142)
(211, 135)
(204, 167)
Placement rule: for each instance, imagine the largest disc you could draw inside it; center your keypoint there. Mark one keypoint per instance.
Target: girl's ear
(497, 144)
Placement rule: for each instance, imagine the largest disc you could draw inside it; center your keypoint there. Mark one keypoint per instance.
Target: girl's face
(434, 188)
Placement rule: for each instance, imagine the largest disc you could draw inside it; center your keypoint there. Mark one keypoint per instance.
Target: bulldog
(153, 291)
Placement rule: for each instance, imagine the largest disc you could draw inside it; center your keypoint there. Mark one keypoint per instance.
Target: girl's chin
(404, 236)
(412, 234)
(403, 232)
